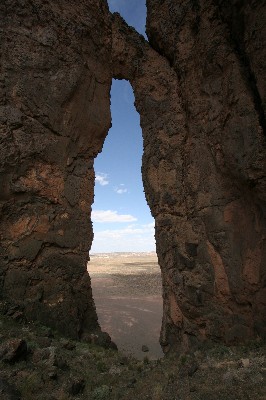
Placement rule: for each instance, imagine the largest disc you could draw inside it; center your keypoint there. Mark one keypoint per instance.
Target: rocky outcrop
(203, 165)
(200, 91)
(54, 113)
(212, 244)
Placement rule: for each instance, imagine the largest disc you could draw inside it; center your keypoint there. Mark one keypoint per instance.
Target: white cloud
(131, 238)
(129, 230)
(101, 178)
(120, 189)
(111, 216)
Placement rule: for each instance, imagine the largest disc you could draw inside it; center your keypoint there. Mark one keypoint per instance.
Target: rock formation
(199, 86)
(55, 113)
(211, 242)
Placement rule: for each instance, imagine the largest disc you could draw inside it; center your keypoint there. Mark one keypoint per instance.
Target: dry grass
(215, 373)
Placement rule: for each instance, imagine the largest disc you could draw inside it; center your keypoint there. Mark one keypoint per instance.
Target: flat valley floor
(127, 293)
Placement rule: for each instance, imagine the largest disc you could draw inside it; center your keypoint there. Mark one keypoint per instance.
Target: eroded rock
(210, 243)
(55, 77)
(199, 86)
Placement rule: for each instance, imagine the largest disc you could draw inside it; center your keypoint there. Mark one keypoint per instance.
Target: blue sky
(120, 215)
(133, 11)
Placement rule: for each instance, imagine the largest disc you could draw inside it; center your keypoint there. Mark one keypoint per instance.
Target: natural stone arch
(203, 163)
(194, 187)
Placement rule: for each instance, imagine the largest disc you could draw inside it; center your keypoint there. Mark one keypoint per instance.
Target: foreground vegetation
(38, 363)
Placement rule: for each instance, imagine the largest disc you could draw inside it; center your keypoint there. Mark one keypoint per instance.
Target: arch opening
(124, 270)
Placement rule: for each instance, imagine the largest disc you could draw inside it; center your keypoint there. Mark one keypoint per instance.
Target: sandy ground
(127, 293)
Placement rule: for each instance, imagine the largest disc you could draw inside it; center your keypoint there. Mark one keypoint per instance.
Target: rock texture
(200, 90)
(211, 241)
(54, 114)
(202, 113)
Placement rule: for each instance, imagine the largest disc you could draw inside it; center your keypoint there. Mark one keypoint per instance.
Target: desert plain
(127, 291)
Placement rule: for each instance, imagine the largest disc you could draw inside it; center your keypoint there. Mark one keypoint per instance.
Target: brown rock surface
(54, 114)
(214, 266)
(200, 91)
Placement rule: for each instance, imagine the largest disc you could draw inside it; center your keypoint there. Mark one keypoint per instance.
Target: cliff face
(200, 91)
(212, 245)
(54, 112)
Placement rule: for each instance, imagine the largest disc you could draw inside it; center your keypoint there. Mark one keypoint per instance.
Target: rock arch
(203, 163)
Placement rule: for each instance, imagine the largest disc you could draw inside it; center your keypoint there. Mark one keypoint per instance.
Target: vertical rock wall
(200, 96)
(212, 246)
(200, 91)
(54, 115)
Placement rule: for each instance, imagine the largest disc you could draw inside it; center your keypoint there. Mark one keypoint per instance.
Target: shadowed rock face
(211, 245)
(54, 113)
(200, 91)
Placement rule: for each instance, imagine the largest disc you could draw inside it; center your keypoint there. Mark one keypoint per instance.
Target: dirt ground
(127, 293)
(38, 362)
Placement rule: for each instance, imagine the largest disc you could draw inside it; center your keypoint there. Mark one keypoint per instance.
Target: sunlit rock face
(54, 114)
(210, 226)
(200, 91)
